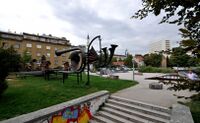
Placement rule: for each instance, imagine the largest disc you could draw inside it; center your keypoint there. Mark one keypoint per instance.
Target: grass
(195, 110)
(34, 93)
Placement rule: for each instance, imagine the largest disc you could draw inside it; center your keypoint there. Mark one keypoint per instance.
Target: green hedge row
(149, 69)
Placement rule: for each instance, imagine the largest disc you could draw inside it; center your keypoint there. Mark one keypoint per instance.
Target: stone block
(155, 85)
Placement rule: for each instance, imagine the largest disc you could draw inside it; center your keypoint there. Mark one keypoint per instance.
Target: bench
(67, 73)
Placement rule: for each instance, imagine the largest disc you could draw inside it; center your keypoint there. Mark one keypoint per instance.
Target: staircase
(120, 110)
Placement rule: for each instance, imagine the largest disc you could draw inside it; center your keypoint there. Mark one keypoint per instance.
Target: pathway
(141, 92)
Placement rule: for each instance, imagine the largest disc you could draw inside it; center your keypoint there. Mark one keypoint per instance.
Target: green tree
(153, 59)
(179, 58)
(128, 61)
(9, 62)
(180, 12)
(26, 57)
(114, 59)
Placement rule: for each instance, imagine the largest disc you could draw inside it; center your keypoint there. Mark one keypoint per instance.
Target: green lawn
(33, 93)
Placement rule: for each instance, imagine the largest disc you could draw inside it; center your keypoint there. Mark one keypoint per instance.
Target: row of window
(28, 45)
(37, 46)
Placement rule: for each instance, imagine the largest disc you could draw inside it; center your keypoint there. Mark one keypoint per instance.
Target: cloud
(74, 19)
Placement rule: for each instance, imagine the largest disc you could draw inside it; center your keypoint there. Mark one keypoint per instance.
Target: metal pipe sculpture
(74, 53)
(90, 56)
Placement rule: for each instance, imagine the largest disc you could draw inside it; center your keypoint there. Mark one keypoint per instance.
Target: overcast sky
(74, 19)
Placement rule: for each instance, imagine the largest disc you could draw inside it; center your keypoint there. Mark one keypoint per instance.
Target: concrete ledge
(181, 114)
(41, 116)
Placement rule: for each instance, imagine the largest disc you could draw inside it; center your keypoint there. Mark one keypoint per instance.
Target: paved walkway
(141, 92)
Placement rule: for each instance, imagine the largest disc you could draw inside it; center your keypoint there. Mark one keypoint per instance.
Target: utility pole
(133, 68)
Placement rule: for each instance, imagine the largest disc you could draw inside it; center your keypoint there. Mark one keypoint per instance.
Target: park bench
(67, 73)
(24, 74)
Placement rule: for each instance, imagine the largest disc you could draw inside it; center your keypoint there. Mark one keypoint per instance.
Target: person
(66, 66)
(192, 75)
(47, 70)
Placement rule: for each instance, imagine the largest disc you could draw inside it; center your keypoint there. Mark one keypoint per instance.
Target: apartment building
(37, 46)
(159, 46)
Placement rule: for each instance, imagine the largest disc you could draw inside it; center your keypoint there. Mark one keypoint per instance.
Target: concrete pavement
(141, 92)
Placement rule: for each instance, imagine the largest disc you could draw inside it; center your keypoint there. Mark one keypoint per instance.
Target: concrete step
(94, 121)
(99, 119)
(120, 119)
(135, 108)
(117, 111)
(142, 104)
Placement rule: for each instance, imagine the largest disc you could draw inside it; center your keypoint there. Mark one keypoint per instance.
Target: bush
(3, 87)
(149, 69)
(9, 61)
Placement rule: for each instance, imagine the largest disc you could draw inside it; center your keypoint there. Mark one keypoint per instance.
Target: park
(135, 65)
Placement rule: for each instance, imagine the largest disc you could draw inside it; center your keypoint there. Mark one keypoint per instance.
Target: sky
(75, 19)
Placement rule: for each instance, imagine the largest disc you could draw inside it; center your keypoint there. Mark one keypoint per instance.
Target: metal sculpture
(78, 56)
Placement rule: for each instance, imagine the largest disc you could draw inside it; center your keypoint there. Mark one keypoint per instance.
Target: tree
(179, 58)
(26, 57)
(114, 59)
(180, 12)
(153, 59)
(9, 62)
(128, 61)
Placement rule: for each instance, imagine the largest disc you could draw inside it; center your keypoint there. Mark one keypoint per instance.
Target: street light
(133, 68)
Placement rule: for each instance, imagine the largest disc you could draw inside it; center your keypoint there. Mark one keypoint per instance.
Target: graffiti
(73, 114)
(81, 113)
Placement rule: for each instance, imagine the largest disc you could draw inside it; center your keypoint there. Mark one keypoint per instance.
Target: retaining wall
(77, 110)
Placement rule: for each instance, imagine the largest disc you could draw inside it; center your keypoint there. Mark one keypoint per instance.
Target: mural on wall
(81, 113)
(73, 114)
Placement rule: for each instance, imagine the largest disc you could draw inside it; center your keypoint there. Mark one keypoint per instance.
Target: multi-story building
(37, 46)
(159, 46)
(119, 57)
(139, 59)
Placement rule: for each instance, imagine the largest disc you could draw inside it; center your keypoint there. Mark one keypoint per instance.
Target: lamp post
(133, 68)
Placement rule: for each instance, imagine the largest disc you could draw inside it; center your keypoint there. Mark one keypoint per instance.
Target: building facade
(119, 57)
(159, 46)
(139, 59)
(37, 46)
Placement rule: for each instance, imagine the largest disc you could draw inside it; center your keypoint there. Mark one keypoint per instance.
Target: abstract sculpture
(80, 59)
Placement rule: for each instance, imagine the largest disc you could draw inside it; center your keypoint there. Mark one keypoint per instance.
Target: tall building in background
(159, 46)
(37, 46)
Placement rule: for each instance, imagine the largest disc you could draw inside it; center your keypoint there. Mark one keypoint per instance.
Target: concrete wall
(77, 110)
(181, 114)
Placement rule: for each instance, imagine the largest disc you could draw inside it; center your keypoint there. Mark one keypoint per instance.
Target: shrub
(149, 69)
(9, 61)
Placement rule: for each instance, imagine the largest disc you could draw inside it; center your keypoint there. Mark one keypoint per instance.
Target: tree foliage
(26, 57)
(179, 58)
(128, 61)
(153, 59)
(9, 61)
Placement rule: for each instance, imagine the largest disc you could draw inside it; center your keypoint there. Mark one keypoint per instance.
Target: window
(16, 46)
(48, 47)
(5, 45)
(39, 46)
(38, 54)
(28, 53)
(48, 54)
(28, 45)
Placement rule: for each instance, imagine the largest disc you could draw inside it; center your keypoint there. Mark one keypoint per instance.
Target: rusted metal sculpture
(78, 56)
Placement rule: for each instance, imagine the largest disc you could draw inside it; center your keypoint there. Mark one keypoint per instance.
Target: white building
(159, 46)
